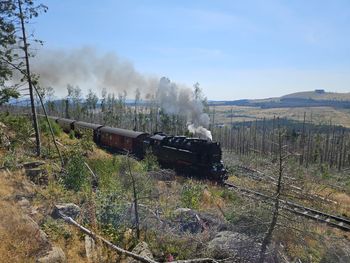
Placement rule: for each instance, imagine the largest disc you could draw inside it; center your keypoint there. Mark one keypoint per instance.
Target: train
(189, 156)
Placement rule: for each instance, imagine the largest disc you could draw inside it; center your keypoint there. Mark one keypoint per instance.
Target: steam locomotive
(192, 156)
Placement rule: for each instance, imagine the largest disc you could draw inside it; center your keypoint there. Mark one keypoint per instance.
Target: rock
(35, 174)
(90, 249)
(163, 175)
(233, 245)
(141, 249)
(192, 221)
(4, 141)
(187, 220)
(55, 255)
(24, 203)
(68, 209)
(40, 235)
(31, 165)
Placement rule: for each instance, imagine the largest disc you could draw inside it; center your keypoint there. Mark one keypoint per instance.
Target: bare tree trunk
(137, 221)
(273, 136)
(263, 138)
(29, 79)
(50, 127)
(308, 149)
(341, 151)
(302, 142)
(268, 236)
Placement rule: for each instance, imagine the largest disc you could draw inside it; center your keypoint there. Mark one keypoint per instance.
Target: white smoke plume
(87, 68)
(181, 100)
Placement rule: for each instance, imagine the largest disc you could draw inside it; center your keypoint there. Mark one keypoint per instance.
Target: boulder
(55, 255)
(24, 203)
(90, 249)
(163, 175)
(192, 221)
(34, 164)
(37, 175)
(40, 235)
(227, 244)
(141, 249)
(68, 209)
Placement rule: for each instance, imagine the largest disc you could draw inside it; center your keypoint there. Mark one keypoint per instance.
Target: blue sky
(234, 49)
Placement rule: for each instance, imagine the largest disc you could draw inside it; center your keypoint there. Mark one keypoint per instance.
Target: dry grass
(19, 242)
(19, 239)
(319, 114)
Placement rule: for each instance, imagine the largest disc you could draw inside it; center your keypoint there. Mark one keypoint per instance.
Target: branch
(196, 260)
(125, 252)
(105, 241)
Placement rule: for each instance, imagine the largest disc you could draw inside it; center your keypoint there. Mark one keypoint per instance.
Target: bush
(86, 143)
(112, 215)
(9, 160)
(55, 229)
(150, 162)
(71, 135)
(44, 127)
(22, 128)
(229, 195)
(191, 195)
(107, 171)
(76, 175)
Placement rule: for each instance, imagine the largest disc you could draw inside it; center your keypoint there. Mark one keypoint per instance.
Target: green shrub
(9, 160)
(76, 175)
(55, 229)
(71, 135)
(107, 171)
(22, 128)
(150, 162)
(191, 195)
(112, 215)
(44, 127)
(229, 195)
(86, 143)
(324, 169)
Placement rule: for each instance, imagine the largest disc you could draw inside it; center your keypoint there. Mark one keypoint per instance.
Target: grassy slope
(319, 96)
(17, 242)
(210, 198)
(319, 114)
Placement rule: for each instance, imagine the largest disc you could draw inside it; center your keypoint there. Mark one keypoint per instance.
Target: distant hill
(318, 95)
(316, 98)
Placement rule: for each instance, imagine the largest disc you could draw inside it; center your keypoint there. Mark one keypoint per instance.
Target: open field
(318, 115)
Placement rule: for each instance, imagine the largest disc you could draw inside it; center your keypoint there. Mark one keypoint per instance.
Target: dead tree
(268, 237)
(29, 79)
(135, 199)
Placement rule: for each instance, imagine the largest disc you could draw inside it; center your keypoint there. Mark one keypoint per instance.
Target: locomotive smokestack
(174, 99)
(200, 131)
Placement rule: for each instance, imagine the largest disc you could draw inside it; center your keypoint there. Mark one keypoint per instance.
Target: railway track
(331, 220)
(259, 176)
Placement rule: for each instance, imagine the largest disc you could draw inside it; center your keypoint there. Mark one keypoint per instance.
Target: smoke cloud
(174, 99)
(89, 69)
